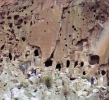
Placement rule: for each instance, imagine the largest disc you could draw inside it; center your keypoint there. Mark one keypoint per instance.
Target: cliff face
(58, 40)
(55, 32)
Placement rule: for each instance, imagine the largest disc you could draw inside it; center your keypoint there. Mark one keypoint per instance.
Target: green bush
(24, 84)
(47, 80)
(85, 77)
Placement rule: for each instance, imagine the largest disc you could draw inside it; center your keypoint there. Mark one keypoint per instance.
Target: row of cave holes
(20, 22)
(103, 72)
(81, 64)
(76, 63)
(58, 66)
(36, 53)
(16, 17)
(93, 8)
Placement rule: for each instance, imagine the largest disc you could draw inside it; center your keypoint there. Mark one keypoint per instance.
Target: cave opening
(48, 63)
(68, 63)
(76, 63)
(16, 17)
(1, 59)
(36, 53)
(103, 72)
(2, 47)
(84, 73)
(19, 21)
(10, 56)
(94, 59)
(9, 17)
(10, 25)
(24, 7)
(23, 39)
(58, 66)
(82, 64)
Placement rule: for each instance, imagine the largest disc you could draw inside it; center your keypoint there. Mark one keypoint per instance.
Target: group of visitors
(34, 72)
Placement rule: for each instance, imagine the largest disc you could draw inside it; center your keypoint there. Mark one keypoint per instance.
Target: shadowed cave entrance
(84, 73)
(68, 63)
(76, 63)
(10, 56)
(82, 64)
(103, 72)
(58, 66)
(94, 59)
(36, 53)
(48, 62)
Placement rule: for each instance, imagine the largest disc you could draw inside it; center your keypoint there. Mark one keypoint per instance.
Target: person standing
(33, 71)
(92, 80)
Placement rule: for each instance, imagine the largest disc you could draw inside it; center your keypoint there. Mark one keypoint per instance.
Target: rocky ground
(14, 85)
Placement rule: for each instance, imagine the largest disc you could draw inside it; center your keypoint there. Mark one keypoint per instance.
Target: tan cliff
(59, 30)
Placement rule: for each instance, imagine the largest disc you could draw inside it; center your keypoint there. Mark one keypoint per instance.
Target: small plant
(24, 84)
(47, 80)
(85, 77)
(65, 91)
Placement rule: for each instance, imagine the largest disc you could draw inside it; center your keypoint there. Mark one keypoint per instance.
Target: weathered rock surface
(71, 36)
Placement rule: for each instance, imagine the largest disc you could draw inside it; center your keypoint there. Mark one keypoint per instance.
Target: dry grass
(47, 80)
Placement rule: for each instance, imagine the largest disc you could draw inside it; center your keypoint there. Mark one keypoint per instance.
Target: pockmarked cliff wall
(65, 32)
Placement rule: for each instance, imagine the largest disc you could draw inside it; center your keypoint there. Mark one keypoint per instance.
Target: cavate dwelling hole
(2, 47)
(48, 63)
(23, 39)
(18, 27)
(84, 73)
(24, 7)
(10, 56)
(1, 60)
(16, 17)
(94, 59)
(82, 64)
(76, 63)
(19, 21)
(68, 12)
(58, 66)
(103, 72)
(31, 23)
(9, 17)
(80, 44)
(10, 25)
(69, 35)
(66, 45)
(25, 22)
(68, 63)
(52, 55)
(36, 53)
(65, 38)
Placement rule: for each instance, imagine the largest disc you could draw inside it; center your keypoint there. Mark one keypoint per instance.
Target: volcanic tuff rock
(69, 35)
